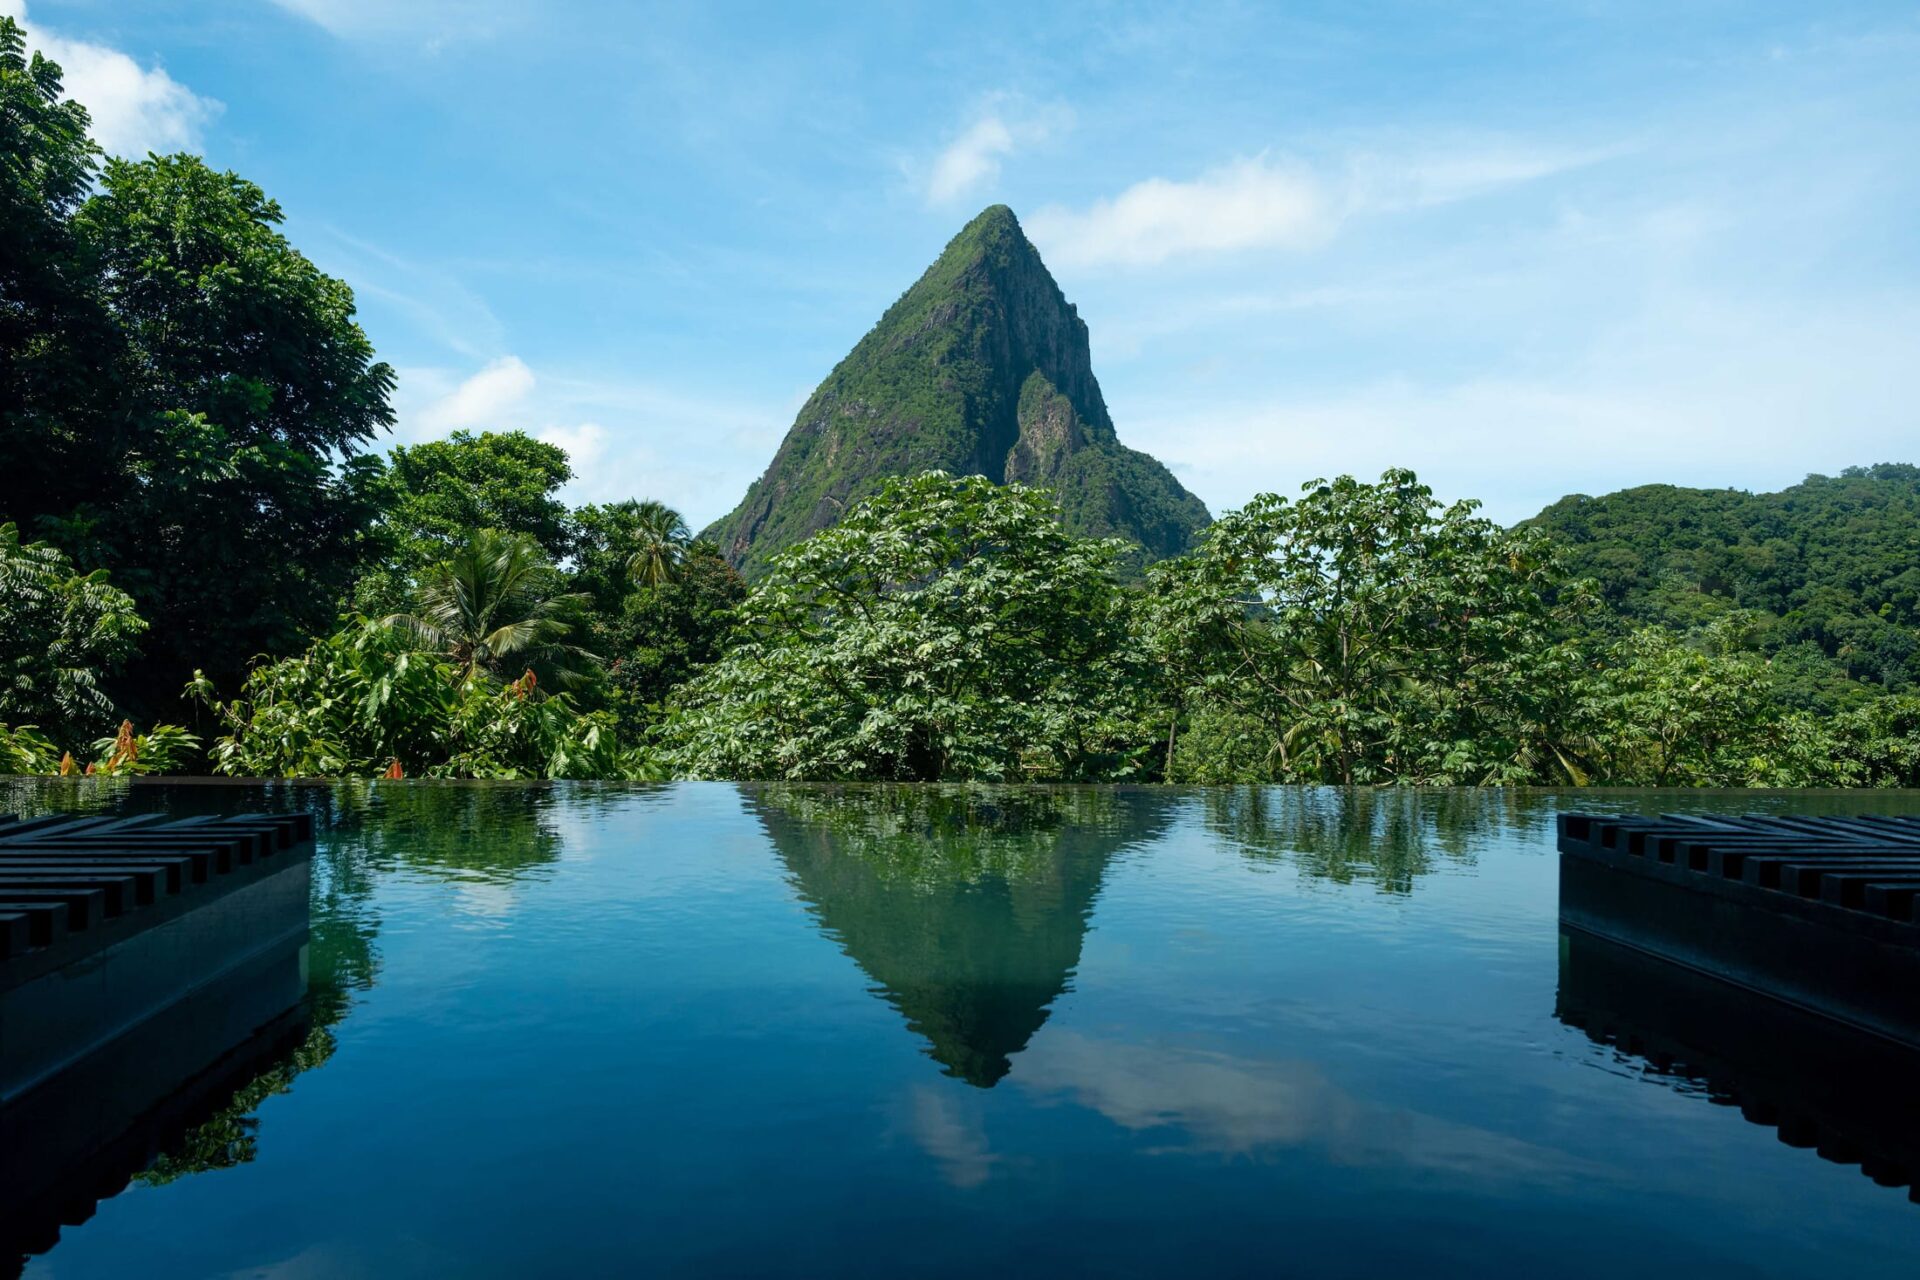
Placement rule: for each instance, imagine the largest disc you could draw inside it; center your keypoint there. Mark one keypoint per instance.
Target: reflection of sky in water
(709, 1029)
(1222, 1105)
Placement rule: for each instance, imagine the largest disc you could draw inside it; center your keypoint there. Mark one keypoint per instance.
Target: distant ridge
(981, 368)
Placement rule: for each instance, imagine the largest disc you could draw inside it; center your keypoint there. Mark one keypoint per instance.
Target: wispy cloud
(1268, 203)
(1379, 182)
(1249, 204)
(135, 109)
(397, 290)
(970, 163)
(1693, 389)
(434, 22)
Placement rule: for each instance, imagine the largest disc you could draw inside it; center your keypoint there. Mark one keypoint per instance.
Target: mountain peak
(981, 368)
(992, 223)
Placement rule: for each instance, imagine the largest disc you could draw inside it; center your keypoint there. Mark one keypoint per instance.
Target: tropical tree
(496, 606)
(1362, 633)
(434, 493)
(1874, 745)
(1661, 711)
(224, 488)
(663, 636)
(657, 618)
(662, 538)
(62, 635)
(946, 629)
(57, 349)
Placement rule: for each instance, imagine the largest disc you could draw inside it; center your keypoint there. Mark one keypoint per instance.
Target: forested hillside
(1829, 567)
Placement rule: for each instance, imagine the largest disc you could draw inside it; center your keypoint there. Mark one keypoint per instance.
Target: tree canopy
(1364, 634)
(947, 628)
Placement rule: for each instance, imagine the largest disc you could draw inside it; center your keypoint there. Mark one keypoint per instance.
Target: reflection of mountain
(967, 907)
(1845, 1093)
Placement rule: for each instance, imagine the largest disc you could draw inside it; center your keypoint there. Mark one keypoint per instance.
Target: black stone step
(96, 869)
(83, 907)
(46, 923)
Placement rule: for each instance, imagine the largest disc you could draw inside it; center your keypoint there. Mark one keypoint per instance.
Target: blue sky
(1526, 249)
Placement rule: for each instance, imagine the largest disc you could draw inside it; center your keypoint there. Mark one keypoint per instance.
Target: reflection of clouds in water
(313, 1263)
(1236, 1106)
(487, 902)
(953, 1137)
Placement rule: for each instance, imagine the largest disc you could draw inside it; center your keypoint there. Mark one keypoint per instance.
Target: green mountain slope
(1832, 563)
(980, 368)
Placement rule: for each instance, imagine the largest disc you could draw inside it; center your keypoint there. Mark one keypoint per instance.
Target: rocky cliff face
(982, 367)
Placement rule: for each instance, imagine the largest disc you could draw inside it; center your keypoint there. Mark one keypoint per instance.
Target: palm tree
(493, 607)
(662, 538)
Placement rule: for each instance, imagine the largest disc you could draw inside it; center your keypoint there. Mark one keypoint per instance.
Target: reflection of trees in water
(452, 830)
(456, 831)
(341, 959)
(967, 906)
(1391, 835)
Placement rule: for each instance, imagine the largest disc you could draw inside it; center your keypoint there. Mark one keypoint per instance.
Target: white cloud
(135, 109)
(1244, 205)
(586, 446)
(971, 161)
(483, 400)
(1261, 203)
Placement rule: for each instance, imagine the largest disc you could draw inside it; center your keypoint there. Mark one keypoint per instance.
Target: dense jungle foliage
(197, 536)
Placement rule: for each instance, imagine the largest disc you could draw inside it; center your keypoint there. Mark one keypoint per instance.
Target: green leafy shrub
(25, 750)
(364, 701)
(166, 748)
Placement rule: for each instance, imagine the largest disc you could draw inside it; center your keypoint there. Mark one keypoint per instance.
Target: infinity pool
(746, 1030)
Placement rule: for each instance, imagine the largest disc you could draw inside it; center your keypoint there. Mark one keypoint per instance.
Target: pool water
(712, 1030)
